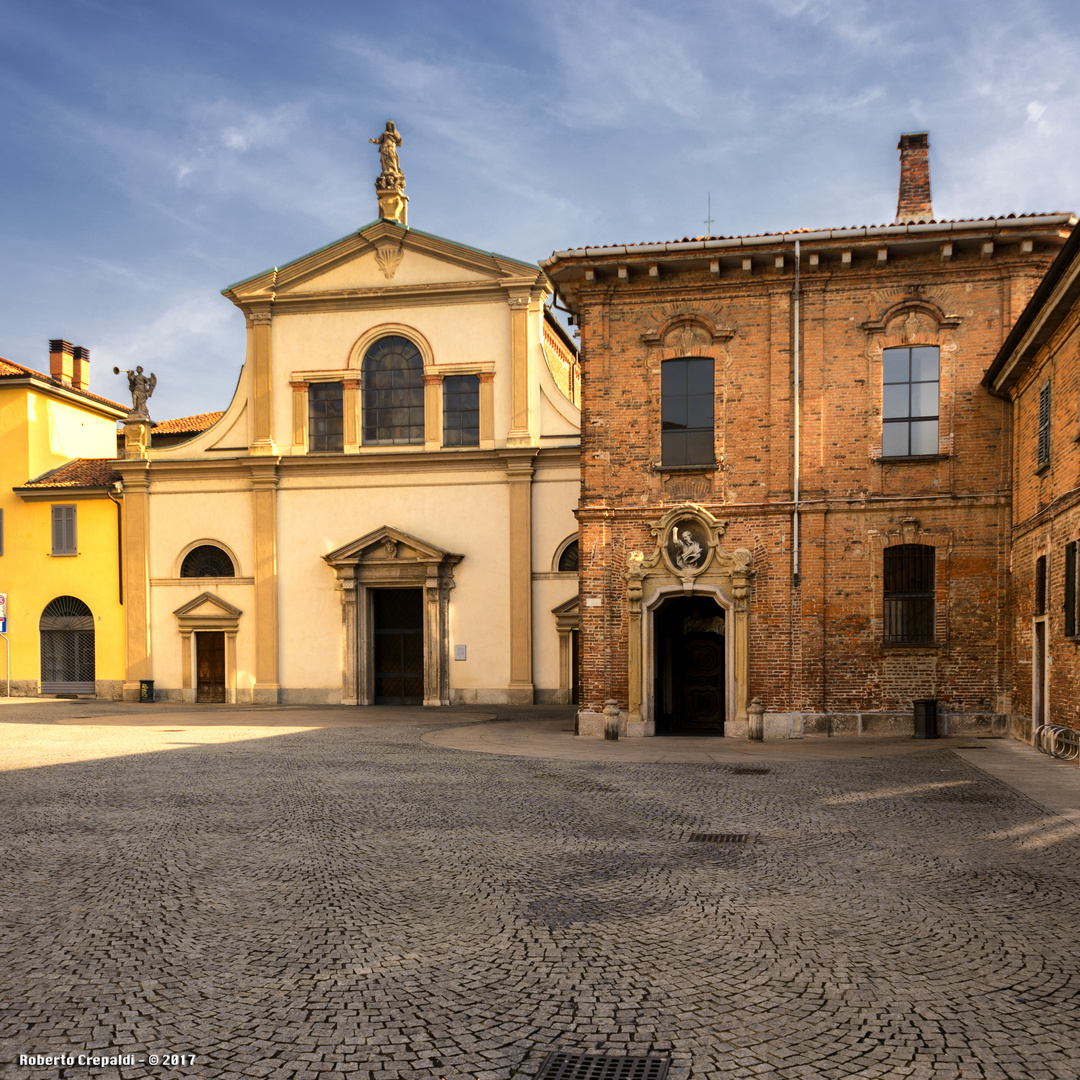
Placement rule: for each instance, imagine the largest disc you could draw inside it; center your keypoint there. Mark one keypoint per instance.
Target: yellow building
(385, 511)
(59, 530)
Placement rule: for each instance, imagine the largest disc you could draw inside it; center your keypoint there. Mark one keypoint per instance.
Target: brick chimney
(914, 202)
(61, 360)
(80, 378)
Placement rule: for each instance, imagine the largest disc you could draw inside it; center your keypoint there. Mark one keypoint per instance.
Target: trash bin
(146, 689)
(926, 719)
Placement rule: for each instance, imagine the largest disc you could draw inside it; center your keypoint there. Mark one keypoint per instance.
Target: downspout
(119, 537)
(798, 409)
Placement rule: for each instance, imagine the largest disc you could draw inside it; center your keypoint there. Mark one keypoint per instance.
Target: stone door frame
(391, 559)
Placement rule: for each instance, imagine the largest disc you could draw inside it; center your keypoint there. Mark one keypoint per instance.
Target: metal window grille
(909, 572)
(687, 412)
(67, 647)
(909, 401)
(326, 418)
(393, 393)
(568, 560)
(1044, 423)
(1040, 585)
(63, 530)
(1071, 550)
(461, 410)
(207, 561)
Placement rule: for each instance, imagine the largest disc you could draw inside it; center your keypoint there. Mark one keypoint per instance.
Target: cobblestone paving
(354, 901)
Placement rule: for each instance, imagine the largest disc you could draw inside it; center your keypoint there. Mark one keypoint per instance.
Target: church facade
(796, 490)
(384, 512)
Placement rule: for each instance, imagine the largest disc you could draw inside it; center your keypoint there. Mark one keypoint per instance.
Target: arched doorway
(690, 673)
(67, 647)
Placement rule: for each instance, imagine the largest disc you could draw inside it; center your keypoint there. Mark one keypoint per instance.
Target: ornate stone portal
(687, 560)
(390, 559)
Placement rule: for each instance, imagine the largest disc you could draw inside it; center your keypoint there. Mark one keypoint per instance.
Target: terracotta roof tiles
(9, 369)
(79, 473)
(188, 425)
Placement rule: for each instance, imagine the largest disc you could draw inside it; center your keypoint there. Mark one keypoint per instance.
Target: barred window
(393, 393)
(207, 560)
(909, 573)
(686, 394)
(1071, 551)
(568, 560)
(63, 531)
(1040, 585)
(325, 418)
(1044, 424)
(909, 401)
(461, 410)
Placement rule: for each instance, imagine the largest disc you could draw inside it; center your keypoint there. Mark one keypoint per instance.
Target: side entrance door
(398, 646)
(210, 665)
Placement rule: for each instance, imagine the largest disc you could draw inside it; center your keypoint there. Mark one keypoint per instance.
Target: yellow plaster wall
(58, 432)
(365, 273)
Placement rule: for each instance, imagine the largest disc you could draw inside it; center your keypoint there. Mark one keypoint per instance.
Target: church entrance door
(398, 646)
(690, 672)
(210, 665)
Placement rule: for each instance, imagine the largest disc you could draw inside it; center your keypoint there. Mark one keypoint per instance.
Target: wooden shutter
(1044, 424)
(1070, 588)
(63, 526)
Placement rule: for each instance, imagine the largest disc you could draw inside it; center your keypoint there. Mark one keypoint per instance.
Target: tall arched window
(67, 647)
(392, 378)
(207, 560)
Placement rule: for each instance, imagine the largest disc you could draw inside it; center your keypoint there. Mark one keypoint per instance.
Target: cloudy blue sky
(155, 152)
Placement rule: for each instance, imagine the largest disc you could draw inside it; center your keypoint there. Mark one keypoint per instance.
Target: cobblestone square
(293, 897)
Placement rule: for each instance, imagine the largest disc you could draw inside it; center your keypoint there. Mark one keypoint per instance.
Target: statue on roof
(388, 142)
(141, 388)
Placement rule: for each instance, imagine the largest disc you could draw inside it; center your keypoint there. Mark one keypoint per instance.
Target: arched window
(909, 594)
(207, 561)
(392, 378)
(67, 647)
(568, 559)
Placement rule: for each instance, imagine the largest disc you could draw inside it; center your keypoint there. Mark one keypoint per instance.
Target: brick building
(1038, 371)
(794, 485)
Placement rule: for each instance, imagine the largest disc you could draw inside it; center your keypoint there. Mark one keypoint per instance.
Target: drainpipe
(798, 404)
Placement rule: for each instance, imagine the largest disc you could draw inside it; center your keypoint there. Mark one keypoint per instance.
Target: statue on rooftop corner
(388, 142)
(141, 388)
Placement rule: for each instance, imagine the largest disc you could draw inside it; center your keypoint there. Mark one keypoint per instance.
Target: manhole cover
(719, 837)
(747, 770)
(561, 1065)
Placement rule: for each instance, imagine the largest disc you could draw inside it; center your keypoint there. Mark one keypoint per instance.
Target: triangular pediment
(389, 545)
(384, 257)
(207, 605)
(567, 607)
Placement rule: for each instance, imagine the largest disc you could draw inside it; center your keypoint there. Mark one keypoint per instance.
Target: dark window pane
(568, 560)
(207, 561)
(392, 399)
(673, 410)
(699, 376)
(461, 410)
(699, 412)
(924, 363)
(894, 401)
(894, 440)
(924, 437)
(699, 447)
(686, 389)
(673, 448)
(924, 399)
(895, 364)
(325, 418)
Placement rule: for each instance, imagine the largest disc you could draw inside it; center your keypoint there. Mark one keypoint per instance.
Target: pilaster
(264, 487)
(262, 382)
(519, 473)
(136, 576)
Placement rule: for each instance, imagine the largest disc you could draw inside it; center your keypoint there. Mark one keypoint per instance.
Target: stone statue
(141, 388)
(388, 142)
(689, 549)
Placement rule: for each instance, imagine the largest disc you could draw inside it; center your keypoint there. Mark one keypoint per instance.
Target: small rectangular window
(687, 412)
(1070, 588)
(1040, 585)
(909, 401)
(63, 531)
(325, 418)
(461, 410)
(1044, 424)
(909, 594)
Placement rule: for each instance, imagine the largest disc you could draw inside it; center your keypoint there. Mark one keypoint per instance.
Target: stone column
(634, 723)
(264, 484)
(740, 582)
(350, 637)
(262, 383)
(136, 575)
(519, 471)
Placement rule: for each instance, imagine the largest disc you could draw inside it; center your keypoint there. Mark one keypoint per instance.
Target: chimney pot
(914, 202)
(61, 360)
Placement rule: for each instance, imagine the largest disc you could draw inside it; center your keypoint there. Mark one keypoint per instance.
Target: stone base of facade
(109, 689)
(827, 725)
(20, 688)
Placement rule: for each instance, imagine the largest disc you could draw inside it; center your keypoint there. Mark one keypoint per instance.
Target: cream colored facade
(314, 535)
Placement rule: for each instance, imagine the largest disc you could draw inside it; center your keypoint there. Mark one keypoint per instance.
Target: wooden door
(699, 683)
(210, 665)
(398, 646)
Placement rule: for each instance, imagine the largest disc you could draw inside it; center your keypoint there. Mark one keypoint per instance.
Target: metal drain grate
(719, 837)
(747, 770)
(562, 1065)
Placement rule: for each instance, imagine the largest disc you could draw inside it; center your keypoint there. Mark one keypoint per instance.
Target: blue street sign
(3, 626)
